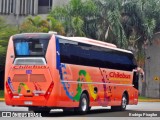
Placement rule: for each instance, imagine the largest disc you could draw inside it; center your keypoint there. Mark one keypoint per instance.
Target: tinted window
(44, 2)
(89, 55)
(31, 46)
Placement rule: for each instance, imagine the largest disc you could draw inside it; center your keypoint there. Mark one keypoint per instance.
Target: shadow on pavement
(91, 113)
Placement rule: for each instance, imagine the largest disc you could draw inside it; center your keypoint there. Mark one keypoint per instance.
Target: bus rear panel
(28, 78)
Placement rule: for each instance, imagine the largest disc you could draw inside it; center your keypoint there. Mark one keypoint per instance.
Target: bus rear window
(30, 47)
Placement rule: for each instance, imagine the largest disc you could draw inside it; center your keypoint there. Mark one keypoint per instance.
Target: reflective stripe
(65, 81)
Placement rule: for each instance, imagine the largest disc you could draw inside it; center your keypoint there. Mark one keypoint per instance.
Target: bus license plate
(28, 103)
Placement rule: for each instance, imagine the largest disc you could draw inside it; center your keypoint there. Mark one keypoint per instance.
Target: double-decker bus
(46, 71)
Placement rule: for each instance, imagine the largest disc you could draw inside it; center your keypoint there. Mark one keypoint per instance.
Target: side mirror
(141, 72)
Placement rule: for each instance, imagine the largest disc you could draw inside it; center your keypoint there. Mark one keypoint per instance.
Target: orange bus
(46, 71)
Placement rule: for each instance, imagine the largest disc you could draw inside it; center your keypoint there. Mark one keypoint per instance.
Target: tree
(5, 32)
(37, 24)
(34, 24)
(140, 18)
(109, 22)
(74, 16)
(55, 25)
(127, 23)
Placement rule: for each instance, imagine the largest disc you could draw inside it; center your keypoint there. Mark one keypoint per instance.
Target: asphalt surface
(142, 107)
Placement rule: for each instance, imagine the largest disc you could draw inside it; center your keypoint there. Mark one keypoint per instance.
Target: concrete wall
(152, 68)
(59, 2)
(17, 20)
(23, 8)
(19, 7)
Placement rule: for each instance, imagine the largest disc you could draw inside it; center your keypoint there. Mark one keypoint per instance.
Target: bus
(47, 71)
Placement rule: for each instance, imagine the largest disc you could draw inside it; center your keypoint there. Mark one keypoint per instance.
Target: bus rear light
(48, 92)
(9, 90)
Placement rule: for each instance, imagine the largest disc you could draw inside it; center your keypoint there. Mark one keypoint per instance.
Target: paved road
(95, 111)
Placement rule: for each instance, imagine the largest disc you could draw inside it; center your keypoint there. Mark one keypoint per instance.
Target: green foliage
(37, 24)
(1, 93)
(5, 32)
(77, 24)
(55, 25)
(74, 16)
(126, 23)
(34, 24)
(141, 21)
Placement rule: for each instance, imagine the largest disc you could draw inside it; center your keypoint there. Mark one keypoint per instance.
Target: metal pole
(7, 6)
(17, 11)
(25, 7)
(0, 6)
(10, 3)
(14, 6)
(35, 7)
(4, 7)
(22, 7)
(52, 3)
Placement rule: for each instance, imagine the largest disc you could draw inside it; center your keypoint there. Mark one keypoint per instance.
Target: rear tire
(123, 105)
(83, 105)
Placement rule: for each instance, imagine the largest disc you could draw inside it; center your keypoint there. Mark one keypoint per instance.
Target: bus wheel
(123, 105)
(83, 105)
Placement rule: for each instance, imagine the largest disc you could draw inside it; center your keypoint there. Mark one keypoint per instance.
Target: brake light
(9, 90)
(48, 92)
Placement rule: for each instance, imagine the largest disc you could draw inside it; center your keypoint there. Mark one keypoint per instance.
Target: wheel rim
(84, 104)
(124, 102)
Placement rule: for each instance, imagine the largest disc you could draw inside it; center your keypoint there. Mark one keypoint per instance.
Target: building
(14, 11)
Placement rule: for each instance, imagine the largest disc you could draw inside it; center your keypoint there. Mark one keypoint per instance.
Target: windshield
(34, 47)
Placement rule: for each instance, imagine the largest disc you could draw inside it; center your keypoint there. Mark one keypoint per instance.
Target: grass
(143, 98)
(1, 94)
(146, 99)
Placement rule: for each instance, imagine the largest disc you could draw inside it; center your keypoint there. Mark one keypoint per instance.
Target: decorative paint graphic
(88, 79)
(10, 84)
(106, 96)
(83, 76)
(64, 84)
(37, 86)
(23, 85)
(79, 91)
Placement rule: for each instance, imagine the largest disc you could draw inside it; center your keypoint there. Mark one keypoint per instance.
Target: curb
(1, 99)
(150, 100)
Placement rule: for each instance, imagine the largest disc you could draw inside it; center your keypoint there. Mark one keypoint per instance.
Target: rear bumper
(30, 101)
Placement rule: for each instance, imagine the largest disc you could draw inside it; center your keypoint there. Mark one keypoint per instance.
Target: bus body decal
(10, 84)
(106, 97)
(79, 91)
(59, 67)
(88, 79)
(25, 87)
(58, 64)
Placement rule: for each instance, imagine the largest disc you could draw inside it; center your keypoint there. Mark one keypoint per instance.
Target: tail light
(9, 90)
(48, 92)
